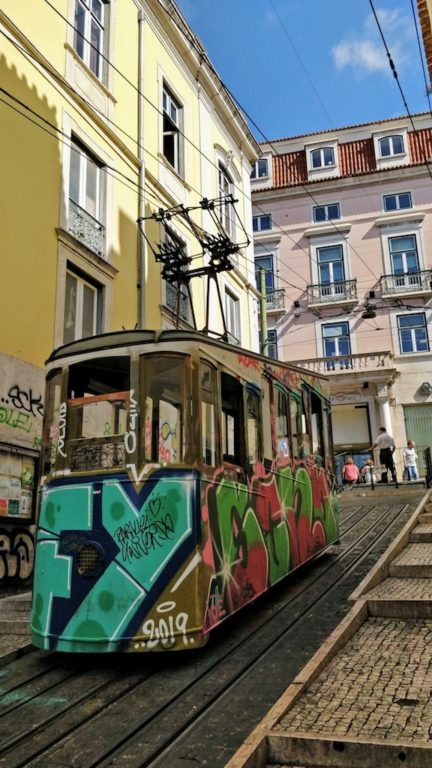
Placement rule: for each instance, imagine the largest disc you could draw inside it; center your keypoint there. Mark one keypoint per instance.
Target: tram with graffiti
(181, 478)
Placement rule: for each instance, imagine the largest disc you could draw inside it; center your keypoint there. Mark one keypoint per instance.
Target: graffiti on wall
(21, 412)
(16, 555)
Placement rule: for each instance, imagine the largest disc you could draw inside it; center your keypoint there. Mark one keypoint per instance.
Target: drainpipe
(142, 277)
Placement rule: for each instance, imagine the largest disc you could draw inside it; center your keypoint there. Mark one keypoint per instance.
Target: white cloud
(365, 52)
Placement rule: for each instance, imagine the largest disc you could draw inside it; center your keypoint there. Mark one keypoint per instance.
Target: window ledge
(80, 249)
(328, 229)
(389, 219)
(95, 83)
(269, 235)
(176, 175)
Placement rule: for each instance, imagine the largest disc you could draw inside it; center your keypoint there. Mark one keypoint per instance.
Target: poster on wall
(17, 476)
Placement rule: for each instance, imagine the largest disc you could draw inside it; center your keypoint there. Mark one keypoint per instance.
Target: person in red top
(350, 473)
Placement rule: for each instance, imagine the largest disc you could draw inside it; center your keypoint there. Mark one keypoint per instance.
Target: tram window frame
(94, 384)
(232, 420)
(282, 436)
(51, 422)
(306, 431)
(209, 450)
(253, 421)
(296, 425)
(151, 435)
(317, 425)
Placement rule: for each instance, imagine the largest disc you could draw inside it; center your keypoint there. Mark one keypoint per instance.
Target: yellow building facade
(110, 111)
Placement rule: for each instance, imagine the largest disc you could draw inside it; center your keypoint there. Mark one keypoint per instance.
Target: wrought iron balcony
(86, 229)
(407, 283)
(371, 361)
(344, 291)
(275, 299)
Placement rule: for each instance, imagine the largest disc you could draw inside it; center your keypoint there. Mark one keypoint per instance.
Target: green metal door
(418, 425)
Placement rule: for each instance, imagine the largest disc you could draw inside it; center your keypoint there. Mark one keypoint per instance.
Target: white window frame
(82, 283)
(90, 21)
(85, 157)
(258, 220)
(391, 141)
(398, 207)
(319, 339)
(316, 243)
(226, 211)
(232, 314)
(413, 338)
(393, 159)
(326, 207)
(322, 171)
(262, 162)
(172, 112)
(320, 152)
(400, 231)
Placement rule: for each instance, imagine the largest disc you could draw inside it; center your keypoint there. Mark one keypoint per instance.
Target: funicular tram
(181, 478)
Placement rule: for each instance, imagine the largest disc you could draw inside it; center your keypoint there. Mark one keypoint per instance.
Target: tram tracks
(157, 710)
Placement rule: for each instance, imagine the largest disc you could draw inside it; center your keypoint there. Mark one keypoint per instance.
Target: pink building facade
(343, 232)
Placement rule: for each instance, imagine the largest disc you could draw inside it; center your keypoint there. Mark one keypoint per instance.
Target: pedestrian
(410, 461)
(350, 473)
(386, 445)
(368, 472)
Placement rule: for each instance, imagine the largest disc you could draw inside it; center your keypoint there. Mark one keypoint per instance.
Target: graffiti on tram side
(16, 555)
(260, 532)
(122, 567)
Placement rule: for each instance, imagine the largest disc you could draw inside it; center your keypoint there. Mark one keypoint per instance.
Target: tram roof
(128, 338)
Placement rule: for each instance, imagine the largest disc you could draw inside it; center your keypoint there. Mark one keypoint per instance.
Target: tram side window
(282, 430)
(295, 416)
(317, 426)
(164, 418)
(98, 402)
(305, 436)
(51, 427)
(208, 416)
(254, 431)
(232, 419)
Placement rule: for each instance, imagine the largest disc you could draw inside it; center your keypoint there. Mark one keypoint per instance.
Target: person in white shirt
(386, 445)
(410, 461)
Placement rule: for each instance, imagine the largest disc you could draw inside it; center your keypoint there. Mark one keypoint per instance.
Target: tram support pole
(263, 313)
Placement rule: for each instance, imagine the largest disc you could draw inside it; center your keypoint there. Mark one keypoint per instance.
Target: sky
(302, 66)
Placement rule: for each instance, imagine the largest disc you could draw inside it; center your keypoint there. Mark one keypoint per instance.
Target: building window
(232, 317)
(336, 339)
(172, 124)
(172, 294)
(262, 223)
(89, 35)
(86, 193)
(397, 202)
(82, 310)
(391, 145)
(331, 272)
(413, 335)
(260, 169)
(322, 157)
(225, 186)
(403, 255)
(272, 347)
(265, 263)
(326, 212)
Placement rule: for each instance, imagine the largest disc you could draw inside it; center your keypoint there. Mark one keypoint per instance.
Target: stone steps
(15, 615)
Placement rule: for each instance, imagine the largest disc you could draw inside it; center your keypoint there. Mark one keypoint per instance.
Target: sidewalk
(14, 626)
(365, 698)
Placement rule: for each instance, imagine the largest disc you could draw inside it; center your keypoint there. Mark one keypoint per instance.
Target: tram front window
(99, 395)
(164, 417)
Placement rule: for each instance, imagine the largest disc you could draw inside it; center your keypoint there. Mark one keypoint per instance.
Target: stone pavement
(365, 699)
(14, 626)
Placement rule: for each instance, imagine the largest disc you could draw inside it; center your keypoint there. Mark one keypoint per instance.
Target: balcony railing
(85, 228)
(276, 299)
(410, 282)
(331, 293)
(347, 363)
